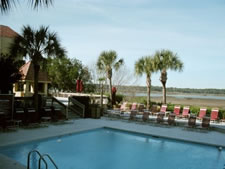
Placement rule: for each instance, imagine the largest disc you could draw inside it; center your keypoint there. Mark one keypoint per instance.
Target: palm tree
(5, 5)
(167, 60)
(38, 45)
(146, 65)
(106, 62)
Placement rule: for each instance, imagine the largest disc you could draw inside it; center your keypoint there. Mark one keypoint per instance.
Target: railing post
(52, 100)
(83, 111)
(67, 108)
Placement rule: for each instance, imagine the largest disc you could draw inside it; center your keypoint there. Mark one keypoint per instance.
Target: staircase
(75, 108)
(72, 108)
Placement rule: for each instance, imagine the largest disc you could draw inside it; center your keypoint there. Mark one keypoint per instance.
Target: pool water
(112, 149)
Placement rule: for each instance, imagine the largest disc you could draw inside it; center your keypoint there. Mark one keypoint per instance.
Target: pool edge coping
(113, 128)
(166, 137)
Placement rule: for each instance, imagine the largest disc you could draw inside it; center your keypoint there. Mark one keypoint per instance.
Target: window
(19, 87)
(29, 87)
(41, 87)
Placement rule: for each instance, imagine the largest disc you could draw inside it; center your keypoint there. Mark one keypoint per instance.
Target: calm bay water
(179, 96)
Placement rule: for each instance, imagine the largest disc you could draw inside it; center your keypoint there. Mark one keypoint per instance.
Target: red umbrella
(79, 86)
(114, 89)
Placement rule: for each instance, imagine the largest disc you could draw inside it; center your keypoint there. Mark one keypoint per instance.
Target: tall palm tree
(167, 60)
(106, 62)
(6, 5)
(146, 65)
(38, 45)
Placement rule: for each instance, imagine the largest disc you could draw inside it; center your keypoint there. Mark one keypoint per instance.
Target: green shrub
(208, 112)
(144, 101)
(153, 103)
(170, 107)
(119, 98)
(222, 114)
(194, 110)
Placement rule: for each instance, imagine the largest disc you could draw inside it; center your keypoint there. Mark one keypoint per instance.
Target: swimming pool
(113, 149)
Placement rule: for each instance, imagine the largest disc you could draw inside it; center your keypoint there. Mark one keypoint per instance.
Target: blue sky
(195, 30)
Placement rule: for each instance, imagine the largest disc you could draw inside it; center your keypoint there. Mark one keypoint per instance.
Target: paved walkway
(204, 136)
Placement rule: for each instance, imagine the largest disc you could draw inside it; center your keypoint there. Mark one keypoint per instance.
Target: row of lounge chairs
(163, 115)
(202, 113)
(177, 111)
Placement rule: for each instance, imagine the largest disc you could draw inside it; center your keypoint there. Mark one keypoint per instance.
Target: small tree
(106, 62)
(166, 60)
(123, 77)
(64, 72)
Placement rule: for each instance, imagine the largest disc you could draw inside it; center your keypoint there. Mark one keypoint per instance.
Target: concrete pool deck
(203, 136)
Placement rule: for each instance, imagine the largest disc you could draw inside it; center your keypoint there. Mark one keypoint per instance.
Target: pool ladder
(41, 158)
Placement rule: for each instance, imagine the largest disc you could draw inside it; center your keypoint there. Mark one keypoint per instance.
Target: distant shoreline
(193, 102)
(172, 90)
(178, 95)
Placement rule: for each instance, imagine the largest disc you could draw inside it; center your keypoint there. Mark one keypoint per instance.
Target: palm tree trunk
(148, 82)
(163, 80)
(101, 100)
(110, 88)
(164, 92)
(36, 74)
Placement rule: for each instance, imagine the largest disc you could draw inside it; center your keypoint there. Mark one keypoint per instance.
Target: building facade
(7, 36)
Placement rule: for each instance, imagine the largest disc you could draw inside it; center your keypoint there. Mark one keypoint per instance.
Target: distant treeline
(142, 89)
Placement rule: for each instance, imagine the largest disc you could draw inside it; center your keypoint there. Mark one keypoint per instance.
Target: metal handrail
(28, 158)
(74, 101)
(42, 158)
(61, 104)
(57, 101)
